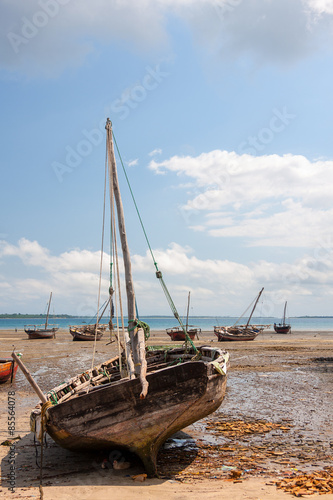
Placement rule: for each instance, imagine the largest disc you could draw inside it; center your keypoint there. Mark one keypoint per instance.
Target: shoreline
(275, 378)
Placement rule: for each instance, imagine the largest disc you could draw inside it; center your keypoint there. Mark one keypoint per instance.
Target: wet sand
(284, 380)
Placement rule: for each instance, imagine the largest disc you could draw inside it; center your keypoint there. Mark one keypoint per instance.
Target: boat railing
(39, 327)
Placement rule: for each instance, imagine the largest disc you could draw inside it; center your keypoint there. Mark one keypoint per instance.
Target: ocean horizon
(320, 323)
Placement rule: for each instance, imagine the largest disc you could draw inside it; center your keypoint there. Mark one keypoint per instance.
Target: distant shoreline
(66, 316)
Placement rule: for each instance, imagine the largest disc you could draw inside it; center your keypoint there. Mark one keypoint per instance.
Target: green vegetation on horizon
(25, 316)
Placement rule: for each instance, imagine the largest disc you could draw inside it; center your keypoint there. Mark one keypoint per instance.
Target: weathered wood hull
(80, 336)
(223, 335)
(178, 335)
(114, 416)
(48, 333)
(282, 328)
(7, 368)
(87, 332)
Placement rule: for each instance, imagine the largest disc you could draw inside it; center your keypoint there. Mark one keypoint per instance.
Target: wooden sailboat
(89, 332)
(240, 332)
(178, 334)
(45, 331)
(283, 327)
(163, 391)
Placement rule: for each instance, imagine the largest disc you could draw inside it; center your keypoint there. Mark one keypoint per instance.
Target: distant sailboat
(240, 332)
(42, 331)
(178, 334)
(90, 332)
(283, 327)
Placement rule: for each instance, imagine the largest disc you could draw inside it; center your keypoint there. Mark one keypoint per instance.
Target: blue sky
(222, 110)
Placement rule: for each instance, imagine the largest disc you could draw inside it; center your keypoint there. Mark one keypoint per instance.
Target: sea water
(163, 322)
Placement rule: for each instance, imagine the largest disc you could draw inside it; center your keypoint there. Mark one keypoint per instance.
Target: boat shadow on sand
(62, 467)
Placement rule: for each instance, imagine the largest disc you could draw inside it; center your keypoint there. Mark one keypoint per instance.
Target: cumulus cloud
(267, 200)
(47, 36)
(218, 286)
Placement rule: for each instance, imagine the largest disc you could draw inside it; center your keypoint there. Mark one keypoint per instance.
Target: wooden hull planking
(282, 328)
(114, 416)
(223, 335)
(7, 367)
(87, 332)
(48, 333)
(79, 336)
(178, 335)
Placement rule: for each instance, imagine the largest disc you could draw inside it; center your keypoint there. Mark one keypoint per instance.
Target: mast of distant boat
(284, 313)
(48, 311)
(188, 310)
(255, 304)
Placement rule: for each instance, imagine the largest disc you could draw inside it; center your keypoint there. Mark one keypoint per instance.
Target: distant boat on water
(283, 327)
(44, 331)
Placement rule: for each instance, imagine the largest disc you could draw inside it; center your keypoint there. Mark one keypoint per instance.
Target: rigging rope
(100, 267)
(241, 316)
(117, 286)
(158, 272)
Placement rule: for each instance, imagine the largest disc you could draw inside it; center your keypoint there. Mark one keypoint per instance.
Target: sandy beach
(275, 423)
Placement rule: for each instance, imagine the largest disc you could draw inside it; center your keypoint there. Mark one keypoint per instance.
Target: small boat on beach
(90, 331)
(283, 327)
(137, 399)
(240, 332)
(178, 334)
(8, 369)
(87, 332)
(45, 331)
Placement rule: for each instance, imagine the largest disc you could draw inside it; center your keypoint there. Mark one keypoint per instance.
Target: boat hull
(79, 336)
(178, 335)
(223, 335)
(48, 333)
(86, 332)
(114, 416)
(8, 368)
(282, 328)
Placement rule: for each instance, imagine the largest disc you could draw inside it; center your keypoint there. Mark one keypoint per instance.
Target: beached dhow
(178, 334)
(283, 327)
(91, 331)
(45, 331)
(87, 332)
(136, 400)
(240, 332)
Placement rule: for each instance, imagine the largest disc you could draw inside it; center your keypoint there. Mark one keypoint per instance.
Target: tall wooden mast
(255, 304)
(136, 335)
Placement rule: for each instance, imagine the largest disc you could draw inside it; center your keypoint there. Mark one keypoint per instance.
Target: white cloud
(321, 6)
(218, 286)
(133, 163)
(45, 37)
(266, 200)
(155, 152)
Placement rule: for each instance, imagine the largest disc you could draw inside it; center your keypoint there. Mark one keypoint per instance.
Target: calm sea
(163, 322)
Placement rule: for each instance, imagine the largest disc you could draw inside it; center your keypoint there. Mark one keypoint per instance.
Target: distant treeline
(26, 316)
